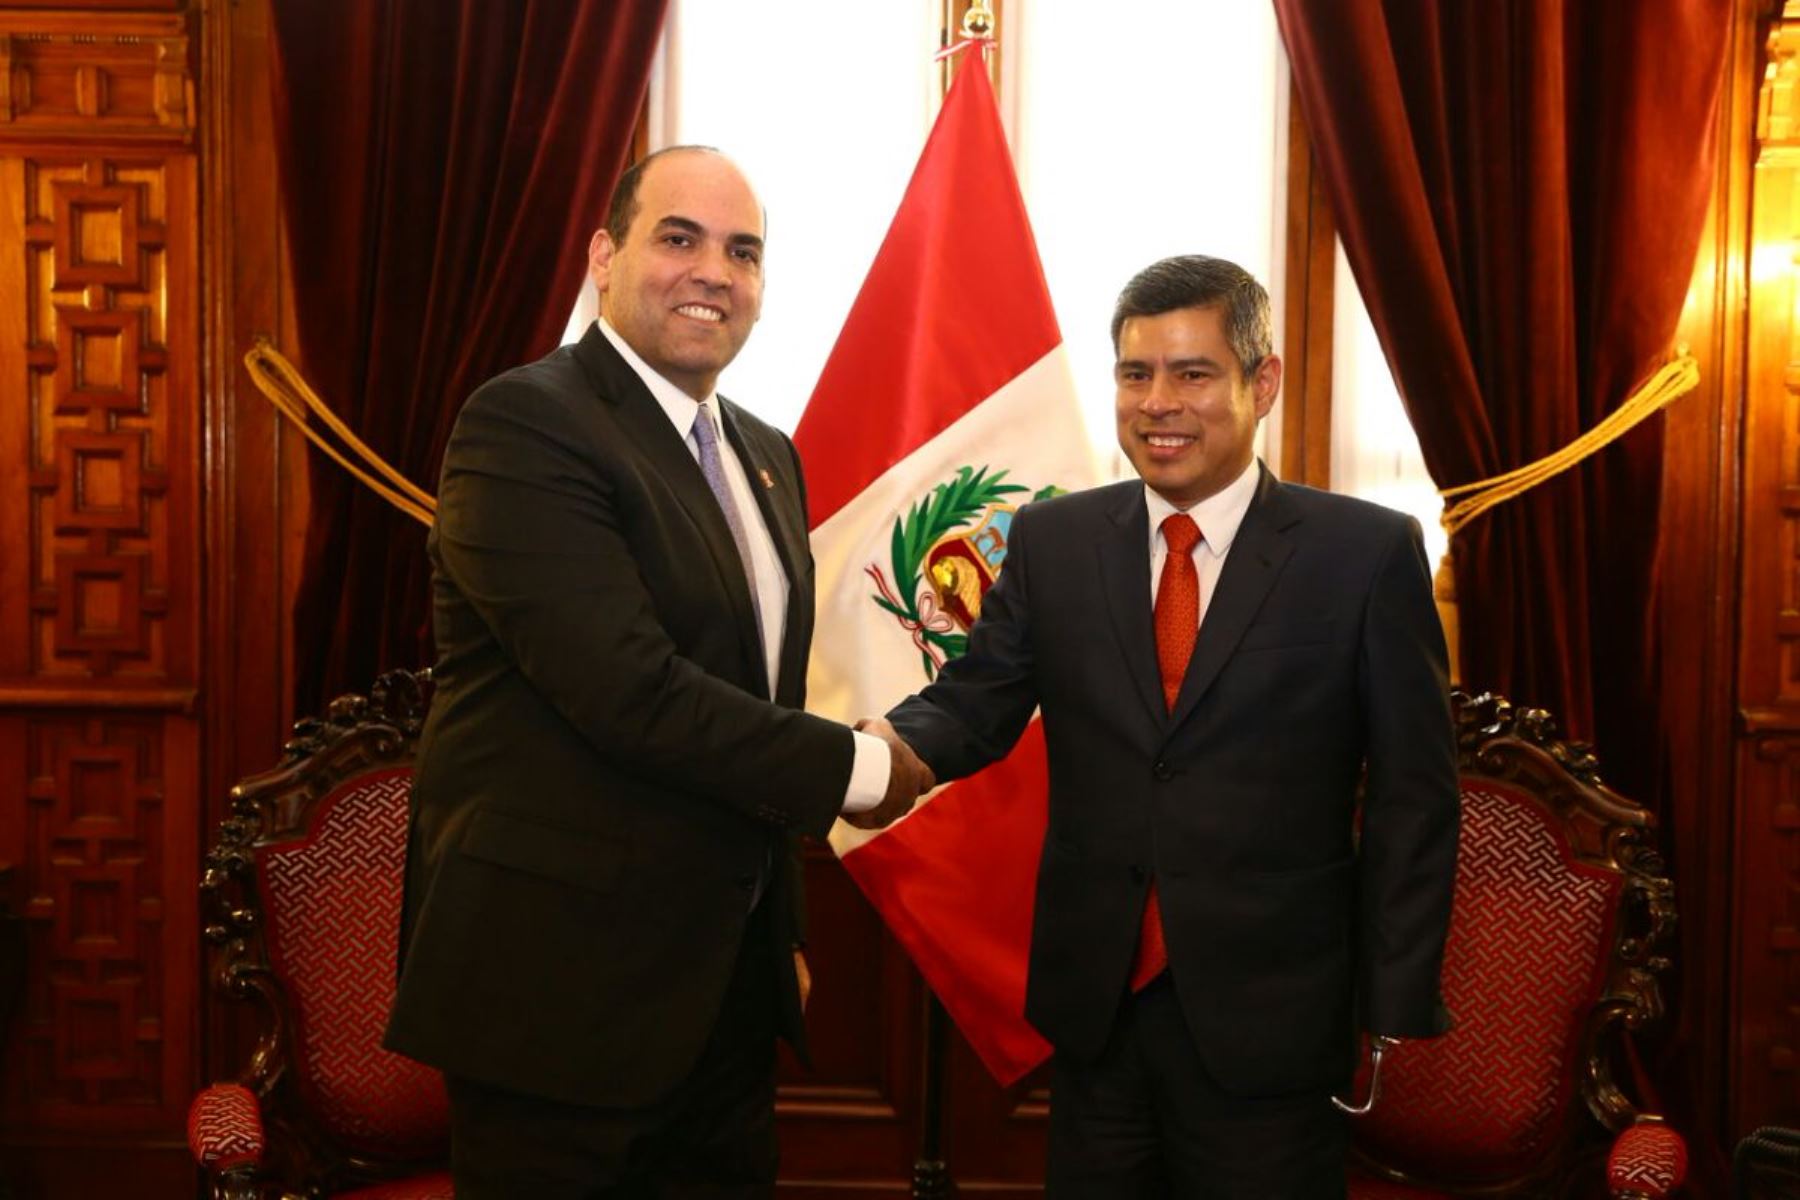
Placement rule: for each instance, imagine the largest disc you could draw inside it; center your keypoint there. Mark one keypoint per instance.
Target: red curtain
(443, 165)
(1521, 186)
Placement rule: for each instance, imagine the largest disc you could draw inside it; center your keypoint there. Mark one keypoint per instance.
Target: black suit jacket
(602, 777)
(1320, 655)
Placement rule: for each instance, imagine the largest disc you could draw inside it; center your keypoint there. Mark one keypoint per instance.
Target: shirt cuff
(868, 773)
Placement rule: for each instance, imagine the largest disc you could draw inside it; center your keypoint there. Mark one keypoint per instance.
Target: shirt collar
(1218, 516)
(675, 403)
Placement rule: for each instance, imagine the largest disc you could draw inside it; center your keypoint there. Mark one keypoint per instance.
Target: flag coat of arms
(946, 404)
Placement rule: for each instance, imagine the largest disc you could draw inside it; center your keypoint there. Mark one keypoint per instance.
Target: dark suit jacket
(601, 778)
(1320, 653)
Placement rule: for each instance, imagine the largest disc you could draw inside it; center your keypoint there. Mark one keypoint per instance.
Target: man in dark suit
(602, 903)
(1220, 658)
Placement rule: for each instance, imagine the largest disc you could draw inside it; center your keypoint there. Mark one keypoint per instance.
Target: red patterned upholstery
(1560, 933)
(225, 1127)
(1526, 955)
(333, 904)
(301, 899)
(1649, 1159)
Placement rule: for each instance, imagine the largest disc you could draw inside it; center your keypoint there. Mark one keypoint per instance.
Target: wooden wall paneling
(84, 75)
(98, 5)
(852, 1120)
(255, 468)
(99, 630)
(1766, 1021)
(1697, 587)
(997, 1136)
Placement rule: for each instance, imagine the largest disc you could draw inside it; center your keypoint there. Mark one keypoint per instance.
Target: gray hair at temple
(1196, 281)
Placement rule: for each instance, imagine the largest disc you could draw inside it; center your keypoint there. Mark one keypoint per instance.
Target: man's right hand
(908, 778)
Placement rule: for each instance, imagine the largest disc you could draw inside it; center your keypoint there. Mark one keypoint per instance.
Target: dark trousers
(714, 1137)
(1146, 1120)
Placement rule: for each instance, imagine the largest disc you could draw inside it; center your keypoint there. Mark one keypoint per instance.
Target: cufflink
(762, 473)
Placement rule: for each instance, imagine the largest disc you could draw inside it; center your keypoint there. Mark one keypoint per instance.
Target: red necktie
(1177, 625)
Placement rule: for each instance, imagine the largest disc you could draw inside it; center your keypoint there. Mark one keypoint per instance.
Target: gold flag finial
(978, 21)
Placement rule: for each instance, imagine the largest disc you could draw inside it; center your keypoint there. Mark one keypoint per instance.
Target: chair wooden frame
(1519, 747)
(357, 735)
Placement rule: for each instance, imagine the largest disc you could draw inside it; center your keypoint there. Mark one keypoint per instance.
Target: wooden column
(100, 582)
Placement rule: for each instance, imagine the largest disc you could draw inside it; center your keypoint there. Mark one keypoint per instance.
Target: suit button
(747, 882)
(1163, 771)
(1139, 874)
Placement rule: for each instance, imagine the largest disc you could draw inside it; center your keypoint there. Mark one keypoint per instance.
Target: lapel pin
(762, 473)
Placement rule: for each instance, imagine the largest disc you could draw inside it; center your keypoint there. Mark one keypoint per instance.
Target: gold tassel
(1668, 384)
(293, 398)
(1673, 381)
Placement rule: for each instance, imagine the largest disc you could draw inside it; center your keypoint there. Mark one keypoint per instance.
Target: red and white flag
(945, 405)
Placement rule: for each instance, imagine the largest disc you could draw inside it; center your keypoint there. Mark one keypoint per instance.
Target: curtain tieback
(1674, 380)
(293, 398)
(278, 379)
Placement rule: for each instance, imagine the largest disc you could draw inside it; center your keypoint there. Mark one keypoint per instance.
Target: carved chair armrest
(1766, 1164)
(225, 1133)
(1648, 1161)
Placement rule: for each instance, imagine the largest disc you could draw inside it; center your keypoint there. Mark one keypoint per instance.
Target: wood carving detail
(95, 908)
(1771, 792)
(70, 76)
(97, 296)
(100, 580)
(1766, 1023)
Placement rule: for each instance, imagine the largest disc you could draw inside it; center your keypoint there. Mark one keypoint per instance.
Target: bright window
(1139, 134)
(1134, 139)
(827, 118)
(1374, 451)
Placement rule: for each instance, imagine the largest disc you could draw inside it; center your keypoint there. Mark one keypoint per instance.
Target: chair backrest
(304, 893)
(331, 904)
(1559, 930)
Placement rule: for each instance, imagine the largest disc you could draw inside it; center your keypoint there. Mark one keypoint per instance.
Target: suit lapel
(1125, 575)
(651, 431)
(1258, 553)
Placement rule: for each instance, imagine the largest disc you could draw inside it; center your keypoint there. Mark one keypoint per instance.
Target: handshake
(908, 779)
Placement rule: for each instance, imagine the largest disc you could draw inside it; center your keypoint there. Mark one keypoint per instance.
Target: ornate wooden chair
(302, 901)
(1559, 935)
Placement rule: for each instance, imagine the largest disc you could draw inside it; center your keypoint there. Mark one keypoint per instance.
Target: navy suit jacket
(1319, 673)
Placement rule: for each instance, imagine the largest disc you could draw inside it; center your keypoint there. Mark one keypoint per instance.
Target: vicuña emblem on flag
(944, 559)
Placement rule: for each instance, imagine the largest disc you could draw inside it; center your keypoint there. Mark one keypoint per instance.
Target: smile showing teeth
(1167, 441)
(701, 312)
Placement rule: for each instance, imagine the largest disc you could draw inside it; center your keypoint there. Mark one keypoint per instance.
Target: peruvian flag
(945, 405)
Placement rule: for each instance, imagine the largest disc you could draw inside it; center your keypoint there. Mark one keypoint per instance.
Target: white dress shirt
(869, 770)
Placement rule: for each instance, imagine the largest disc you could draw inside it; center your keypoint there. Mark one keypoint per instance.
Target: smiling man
(603, 910)
(1219, 658)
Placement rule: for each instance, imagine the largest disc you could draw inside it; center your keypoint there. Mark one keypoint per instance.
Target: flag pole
(931, 1173)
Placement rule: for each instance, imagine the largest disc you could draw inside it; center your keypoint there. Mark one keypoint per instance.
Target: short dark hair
(1196, 281)
(623, 209)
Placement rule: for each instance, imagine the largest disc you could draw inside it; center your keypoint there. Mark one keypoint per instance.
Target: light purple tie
(706, 441)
